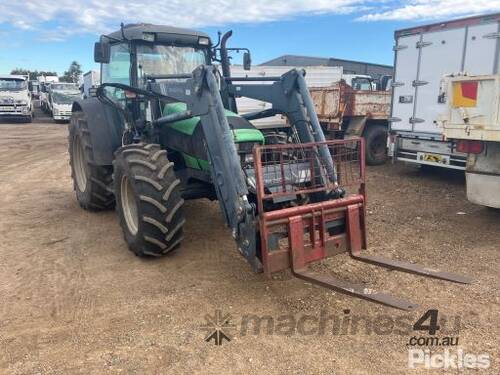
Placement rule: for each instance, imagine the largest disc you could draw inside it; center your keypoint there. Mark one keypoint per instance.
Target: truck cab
(61, 97)
(360, 82)
(15, 98)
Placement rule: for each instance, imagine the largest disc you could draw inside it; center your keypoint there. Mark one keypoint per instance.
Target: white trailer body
(316, 76)
(91, 80)
(473, 121)
(15, 97)
(423, 57)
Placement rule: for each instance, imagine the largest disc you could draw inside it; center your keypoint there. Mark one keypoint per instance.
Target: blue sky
(40, 35)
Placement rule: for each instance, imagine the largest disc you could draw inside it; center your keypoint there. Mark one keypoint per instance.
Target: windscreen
(161, 59)
(65, 97)
(63, 86)
(12, 84)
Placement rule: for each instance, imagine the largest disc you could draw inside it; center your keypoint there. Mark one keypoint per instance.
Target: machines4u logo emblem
(218, 327)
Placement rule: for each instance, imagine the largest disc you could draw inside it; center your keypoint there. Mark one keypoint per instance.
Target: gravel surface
(75, 300)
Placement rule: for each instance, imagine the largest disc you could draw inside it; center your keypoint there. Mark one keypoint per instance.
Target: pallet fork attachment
(293, 237)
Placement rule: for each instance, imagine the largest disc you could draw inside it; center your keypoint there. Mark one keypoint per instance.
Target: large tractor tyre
(375, 144)
(92, 183)
(149, 200)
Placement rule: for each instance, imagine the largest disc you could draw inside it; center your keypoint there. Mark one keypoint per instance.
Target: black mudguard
(105, 126)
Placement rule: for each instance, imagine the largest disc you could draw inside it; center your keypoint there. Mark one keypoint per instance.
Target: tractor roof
(166, 34)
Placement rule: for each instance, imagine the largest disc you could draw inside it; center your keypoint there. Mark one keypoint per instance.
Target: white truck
(91, 80)
(44, 83)
(15, 98)
(472, 120)
(60, 100)
(423, 57)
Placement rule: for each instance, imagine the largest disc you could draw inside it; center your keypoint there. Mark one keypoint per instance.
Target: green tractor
(164, 127)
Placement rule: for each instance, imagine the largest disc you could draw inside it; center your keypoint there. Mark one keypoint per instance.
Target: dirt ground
(75, 300)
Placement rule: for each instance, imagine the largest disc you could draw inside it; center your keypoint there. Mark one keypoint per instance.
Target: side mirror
(102, 52)
(247, 61)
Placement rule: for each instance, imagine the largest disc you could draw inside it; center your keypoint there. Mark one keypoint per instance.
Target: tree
(73, 73)
(32, 73)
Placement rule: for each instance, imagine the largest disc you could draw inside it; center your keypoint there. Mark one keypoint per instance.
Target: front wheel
(148, 199)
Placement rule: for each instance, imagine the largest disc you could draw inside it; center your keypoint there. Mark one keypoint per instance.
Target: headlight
(21, 102)
(245, 147)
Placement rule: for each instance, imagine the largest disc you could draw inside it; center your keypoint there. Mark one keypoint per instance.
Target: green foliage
(32, 73)
(73, 73)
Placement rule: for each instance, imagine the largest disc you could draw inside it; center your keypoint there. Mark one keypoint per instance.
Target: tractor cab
(138, 51)
(142, 53)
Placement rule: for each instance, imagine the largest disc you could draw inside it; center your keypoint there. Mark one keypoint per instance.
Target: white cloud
(99, 16)
(431, 9)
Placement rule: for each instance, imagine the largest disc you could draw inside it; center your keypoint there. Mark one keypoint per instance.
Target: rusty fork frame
(313, 219)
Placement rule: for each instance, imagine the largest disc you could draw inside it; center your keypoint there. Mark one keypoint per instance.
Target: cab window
(118, 69)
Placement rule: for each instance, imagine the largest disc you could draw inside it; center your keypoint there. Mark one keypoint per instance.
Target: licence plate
(433, 158)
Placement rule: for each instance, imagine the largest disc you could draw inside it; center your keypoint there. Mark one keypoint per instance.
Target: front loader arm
(290, 96)
(201, 94)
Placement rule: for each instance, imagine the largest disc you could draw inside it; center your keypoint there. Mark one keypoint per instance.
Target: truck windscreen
(64, 97)
(12, 84)
(63, 86)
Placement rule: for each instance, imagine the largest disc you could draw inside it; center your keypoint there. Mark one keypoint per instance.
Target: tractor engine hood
(243, 130)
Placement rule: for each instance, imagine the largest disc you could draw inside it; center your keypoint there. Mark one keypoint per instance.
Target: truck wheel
(376, 144)
(92, 183)
(149, 201)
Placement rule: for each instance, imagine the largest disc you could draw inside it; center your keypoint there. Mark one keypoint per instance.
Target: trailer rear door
(482, 50)
(405, 73)
(442, 53)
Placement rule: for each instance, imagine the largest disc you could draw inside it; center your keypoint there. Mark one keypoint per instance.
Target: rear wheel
(92, 182)
(149, 201)
(376, 144)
